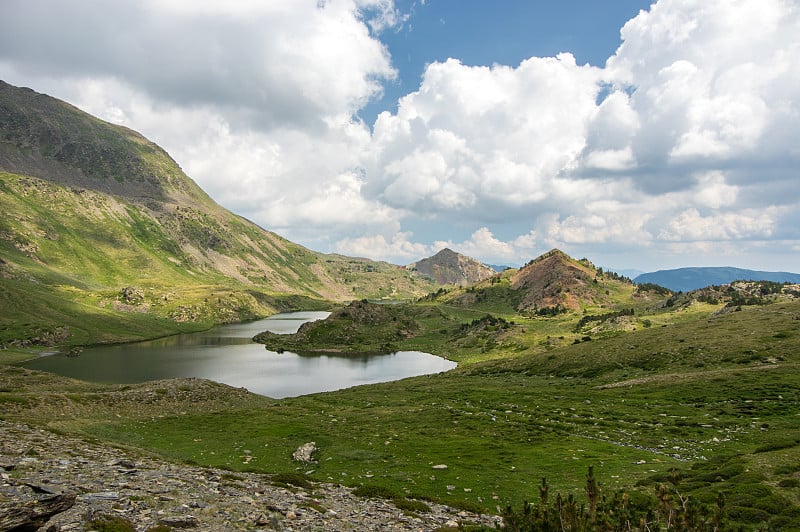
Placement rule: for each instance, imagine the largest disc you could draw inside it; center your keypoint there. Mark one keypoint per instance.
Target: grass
(633, 405)
(66, 254)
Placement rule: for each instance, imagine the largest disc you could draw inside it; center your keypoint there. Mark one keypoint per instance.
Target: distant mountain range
(686, 279)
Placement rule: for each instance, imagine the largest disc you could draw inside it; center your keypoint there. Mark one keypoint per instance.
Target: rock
(179, 496)
(26, 512)
(440, 466)
(132, 295)
(305, 453)
(184, 521)
(102, 496)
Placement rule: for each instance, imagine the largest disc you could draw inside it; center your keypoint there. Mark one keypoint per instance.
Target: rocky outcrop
(30, 506)
(449, 267)
(86, 482)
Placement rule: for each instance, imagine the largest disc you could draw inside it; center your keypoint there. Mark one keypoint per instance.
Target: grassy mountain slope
(91, 209)
(553, 301)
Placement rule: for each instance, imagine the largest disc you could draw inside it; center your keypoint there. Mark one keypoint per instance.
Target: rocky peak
(44, 137)
(449, 267)
(552, 279)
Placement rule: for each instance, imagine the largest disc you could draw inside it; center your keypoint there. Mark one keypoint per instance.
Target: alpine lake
(228, 355)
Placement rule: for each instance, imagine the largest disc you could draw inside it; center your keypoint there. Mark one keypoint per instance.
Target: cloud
(681, 137)
(712, 80)
(482, 243)
(690, 225)
(684, 141)
(401, 248)
(265, 64)
(476, 134)
(397, 248)
(256, 100)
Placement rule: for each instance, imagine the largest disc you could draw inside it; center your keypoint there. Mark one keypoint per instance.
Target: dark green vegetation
(112, 523)
(359, 327)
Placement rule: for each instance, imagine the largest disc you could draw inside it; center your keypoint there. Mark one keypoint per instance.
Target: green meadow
(716, 399)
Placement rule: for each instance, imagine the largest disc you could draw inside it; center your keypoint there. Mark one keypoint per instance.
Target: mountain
(103, 237)
(556, 280)
(686, 279)
(449, 267)
(551, 284)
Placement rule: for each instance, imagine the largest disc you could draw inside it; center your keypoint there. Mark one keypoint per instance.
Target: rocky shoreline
(85, 481)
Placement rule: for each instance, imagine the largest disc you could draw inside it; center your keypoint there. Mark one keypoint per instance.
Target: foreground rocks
(76, 481)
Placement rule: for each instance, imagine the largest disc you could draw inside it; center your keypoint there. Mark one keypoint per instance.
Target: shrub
(111, 524)
(291, 479)
(411, 505)
(748, 515)
(376, 492)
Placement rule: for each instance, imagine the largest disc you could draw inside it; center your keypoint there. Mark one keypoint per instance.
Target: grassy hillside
(715, 399)
(494, 319)
(104, 238)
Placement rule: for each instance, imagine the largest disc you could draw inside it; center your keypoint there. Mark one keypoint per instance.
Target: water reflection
(226, 354)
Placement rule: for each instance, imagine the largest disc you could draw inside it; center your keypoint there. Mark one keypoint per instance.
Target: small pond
(227, 354)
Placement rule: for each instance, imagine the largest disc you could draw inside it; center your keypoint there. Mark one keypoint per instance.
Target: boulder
(305, 453)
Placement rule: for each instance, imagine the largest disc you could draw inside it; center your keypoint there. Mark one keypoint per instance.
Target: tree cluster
(603, 317)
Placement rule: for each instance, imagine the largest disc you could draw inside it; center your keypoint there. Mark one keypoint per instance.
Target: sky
(642, 137)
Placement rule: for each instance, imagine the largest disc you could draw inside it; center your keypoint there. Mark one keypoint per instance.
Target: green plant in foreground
(291, 479)
(382, 492)
(111, 524)
(670, 509)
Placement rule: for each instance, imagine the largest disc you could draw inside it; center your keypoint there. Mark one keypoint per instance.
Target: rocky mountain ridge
(552, 279)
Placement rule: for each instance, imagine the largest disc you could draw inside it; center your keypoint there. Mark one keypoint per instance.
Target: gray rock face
(449, 267)
(29, 507)
(93, 481)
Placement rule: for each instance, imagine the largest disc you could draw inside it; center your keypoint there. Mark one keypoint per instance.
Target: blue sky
(639, 136)
(478, 32)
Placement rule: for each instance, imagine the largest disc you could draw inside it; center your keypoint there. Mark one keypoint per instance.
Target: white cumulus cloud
(684, 141)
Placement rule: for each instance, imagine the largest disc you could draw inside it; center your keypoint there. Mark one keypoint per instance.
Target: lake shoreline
(228, 355)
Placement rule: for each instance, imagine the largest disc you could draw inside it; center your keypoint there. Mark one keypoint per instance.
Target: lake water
(227, 354)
